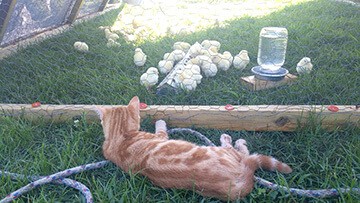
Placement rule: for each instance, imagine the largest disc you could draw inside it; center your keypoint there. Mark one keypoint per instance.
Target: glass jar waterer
(271, 54)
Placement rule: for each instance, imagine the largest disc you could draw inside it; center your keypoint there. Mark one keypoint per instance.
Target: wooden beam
(74, 11)
(6, 10)
(251, 118)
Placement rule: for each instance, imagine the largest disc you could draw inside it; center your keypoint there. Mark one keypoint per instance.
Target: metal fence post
(74, 11)
(6, 9)
(103, 5)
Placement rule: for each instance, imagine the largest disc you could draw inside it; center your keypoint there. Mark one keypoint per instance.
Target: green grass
(52, 72)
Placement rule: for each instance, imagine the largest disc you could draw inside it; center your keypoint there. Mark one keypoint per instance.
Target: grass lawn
(53, 72)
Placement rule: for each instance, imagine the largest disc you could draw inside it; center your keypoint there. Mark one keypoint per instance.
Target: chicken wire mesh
(54, 72)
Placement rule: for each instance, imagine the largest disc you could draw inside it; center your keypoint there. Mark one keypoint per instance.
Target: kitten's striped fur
(224, 172)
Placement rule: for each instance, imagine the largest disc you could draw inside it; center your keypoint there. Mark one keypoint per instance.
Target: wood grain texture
(251, 118)
(255, 84)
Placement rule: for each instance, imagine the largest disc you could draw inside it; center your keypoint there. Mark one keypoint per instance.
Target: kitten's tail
(267, 163)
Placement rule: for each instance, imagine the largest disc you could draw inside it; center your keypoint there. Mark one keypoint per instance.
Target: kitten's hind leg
(226, 141)
(240, 145)
(160, 127)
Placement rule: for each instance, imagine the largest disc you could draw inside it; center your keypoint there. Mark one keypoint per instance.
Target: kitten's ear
(134, 104)
(100, 112)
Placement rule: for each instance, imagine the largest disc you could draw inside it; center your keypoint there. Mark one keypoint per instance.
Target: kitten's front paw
(226, 140)
(160, 122)
(160, 125)
(240, 145)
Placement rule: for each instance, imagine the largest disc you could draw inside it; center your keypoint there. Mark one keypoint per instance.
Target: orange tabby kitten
(224, 172)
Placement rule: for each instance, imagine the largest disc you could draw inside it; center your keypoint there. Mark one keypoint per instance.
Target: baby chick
(209, 53)
(241, 60)
(304, 66)
(175, 55)
(188, 77)
(195, 49)
(184, 46)
(165, 66)
(112, 43)
(223, 61)
(212, 45)
(209, 69)
(81, 46)
(139, 57)
(110, 35)
(150, 77)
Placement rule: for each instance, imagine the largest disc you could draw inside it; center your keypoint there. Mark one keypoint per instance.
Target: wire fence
(54, 65)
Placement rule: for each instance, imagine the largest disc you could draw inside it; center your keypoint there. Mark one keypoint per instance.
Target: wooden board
(256, 84)
(251, 118)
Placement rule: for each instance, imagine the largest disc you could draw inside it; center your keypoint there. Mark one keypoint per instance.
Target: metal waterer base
(263, 74)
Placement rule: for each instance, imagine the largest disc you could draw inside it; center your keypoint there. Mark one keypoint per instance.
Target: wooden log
(251, 118)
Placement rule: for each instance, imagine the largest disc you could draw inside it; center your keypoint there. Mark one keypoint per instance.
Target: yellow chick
(223, 61)
(209, 69)
(150, 77)
(201, 59)
(195, 49)
(81, 46)
(110, 35)
(175, 55)
(304, 66)
(241, 60)
(139, 57)
(112, 43)
(228, 56)
(184, 46)
(207, 66)
(188, 77)
(208, 53)
(194, 61)
(212, 45)
(195, 69)
(165, 66)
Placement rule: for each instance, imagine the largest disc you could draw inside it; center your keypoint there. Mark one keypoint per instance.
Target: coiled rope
(60, 178)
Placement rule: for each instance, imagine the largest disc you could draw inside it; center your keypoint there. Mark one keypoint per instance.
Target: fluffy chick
(112, 43)
(241, 60)
(81, 46)
(188, 77)
(208, 68)
(212, 45)
(139, 57)
(304, 66)
(150, 77)
(184, 46)
(223, 61)
(175, 55)
(165, 66)
(110, 35)
(195, 49)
